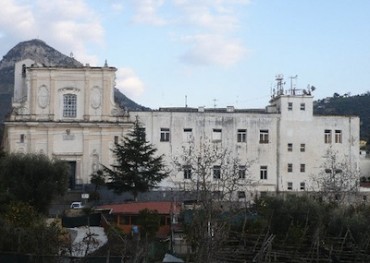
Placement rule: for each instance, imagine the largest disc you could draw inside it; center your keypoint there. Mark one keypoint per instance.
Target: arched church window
(69, 105)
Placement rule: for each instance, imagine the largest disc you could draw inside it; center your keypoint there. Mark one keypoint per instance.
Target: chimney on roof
(230, 109)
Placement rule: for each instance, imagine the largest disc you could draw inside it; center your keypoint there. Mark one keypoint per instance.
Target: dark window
(303, 106)
(290, 147)
(290, 186)
(187, 172)
(303, 147)
(216, 172)
(303, 168)
(338, 136)
(115, 139)
(188, 135)
(217, 135)
(263, 172)
(241, 194)
(290, 106)
(303, 186)
(165, 134)
(290, 167)
(241, 172)
(242, 135)
(327, 136)
(264, 136)
(21, 138)
(69, 105)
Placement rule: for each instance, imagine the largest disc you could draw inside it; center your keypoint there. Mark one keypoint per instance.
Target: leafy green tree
(149, 222)
(33, 179)
(98, 179)
(2, 153)
(137, 168)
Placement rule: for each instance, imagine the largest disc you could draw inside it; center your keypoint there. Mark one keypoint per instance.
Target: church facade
(69, 113)
(66, 113)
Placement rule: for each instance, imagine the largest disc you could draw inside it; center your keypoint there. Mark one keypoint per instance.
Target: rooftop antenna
(186, 101)
(293, 86)
(279, 84)
(214, 103)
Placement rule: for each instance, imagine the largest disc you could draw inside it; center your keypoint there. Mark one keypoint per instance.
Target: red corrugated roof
(135, 207)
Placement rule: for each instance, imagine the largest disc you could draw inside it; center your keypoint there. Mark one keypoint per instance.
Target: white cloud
(213, 15)
(75, 10)
(129, 83)
(16, 19)
(211, 25)
(66, 25)
(117, 7)
(146, 12)
(210, 49)
(214, 26)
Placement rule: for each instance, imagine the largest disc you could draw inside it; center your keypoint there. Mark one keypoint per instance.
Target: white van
(76, 205)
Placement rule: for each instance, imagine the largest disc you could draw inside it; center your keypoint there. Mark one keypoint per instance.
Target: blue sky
(214, 52)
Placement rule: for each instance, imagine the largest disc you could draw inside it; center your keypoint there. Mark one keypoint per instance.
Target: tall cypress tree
(137, 168)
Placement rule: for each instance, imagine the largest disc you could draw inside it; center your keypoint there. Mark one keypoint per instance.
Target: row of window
(302, 147)
(241, 173)
(302, 186)
(337, 136)
(302, 106)
(216, 172)
(241, 135)
(302, 168)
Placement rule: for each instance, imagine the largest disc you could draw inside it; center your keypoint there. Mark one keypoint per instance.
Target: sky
(212, 53)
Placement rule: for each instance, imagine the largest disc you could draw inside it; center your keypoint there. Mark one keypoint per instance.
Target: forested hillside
(358, 105)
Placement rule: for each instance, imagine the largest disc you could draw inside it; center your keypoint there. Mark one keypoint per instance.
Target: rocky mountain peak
(43, 54)
(38, 51)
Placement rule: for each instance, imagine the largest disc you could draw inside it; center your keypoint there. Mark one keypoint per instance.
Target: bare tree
(210, 170)
(216, 176)
(338, 178)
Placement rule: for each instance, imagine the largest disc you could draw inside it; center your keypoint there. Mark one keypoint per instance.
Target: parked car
(76, 205)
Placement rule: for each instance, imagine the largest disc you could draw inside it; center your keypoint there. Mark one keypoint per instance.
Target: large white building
(70, 113)
(285, 146)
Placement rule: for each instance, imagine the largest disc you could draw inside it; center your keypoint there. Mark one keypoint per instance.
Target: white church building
(70, 113)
